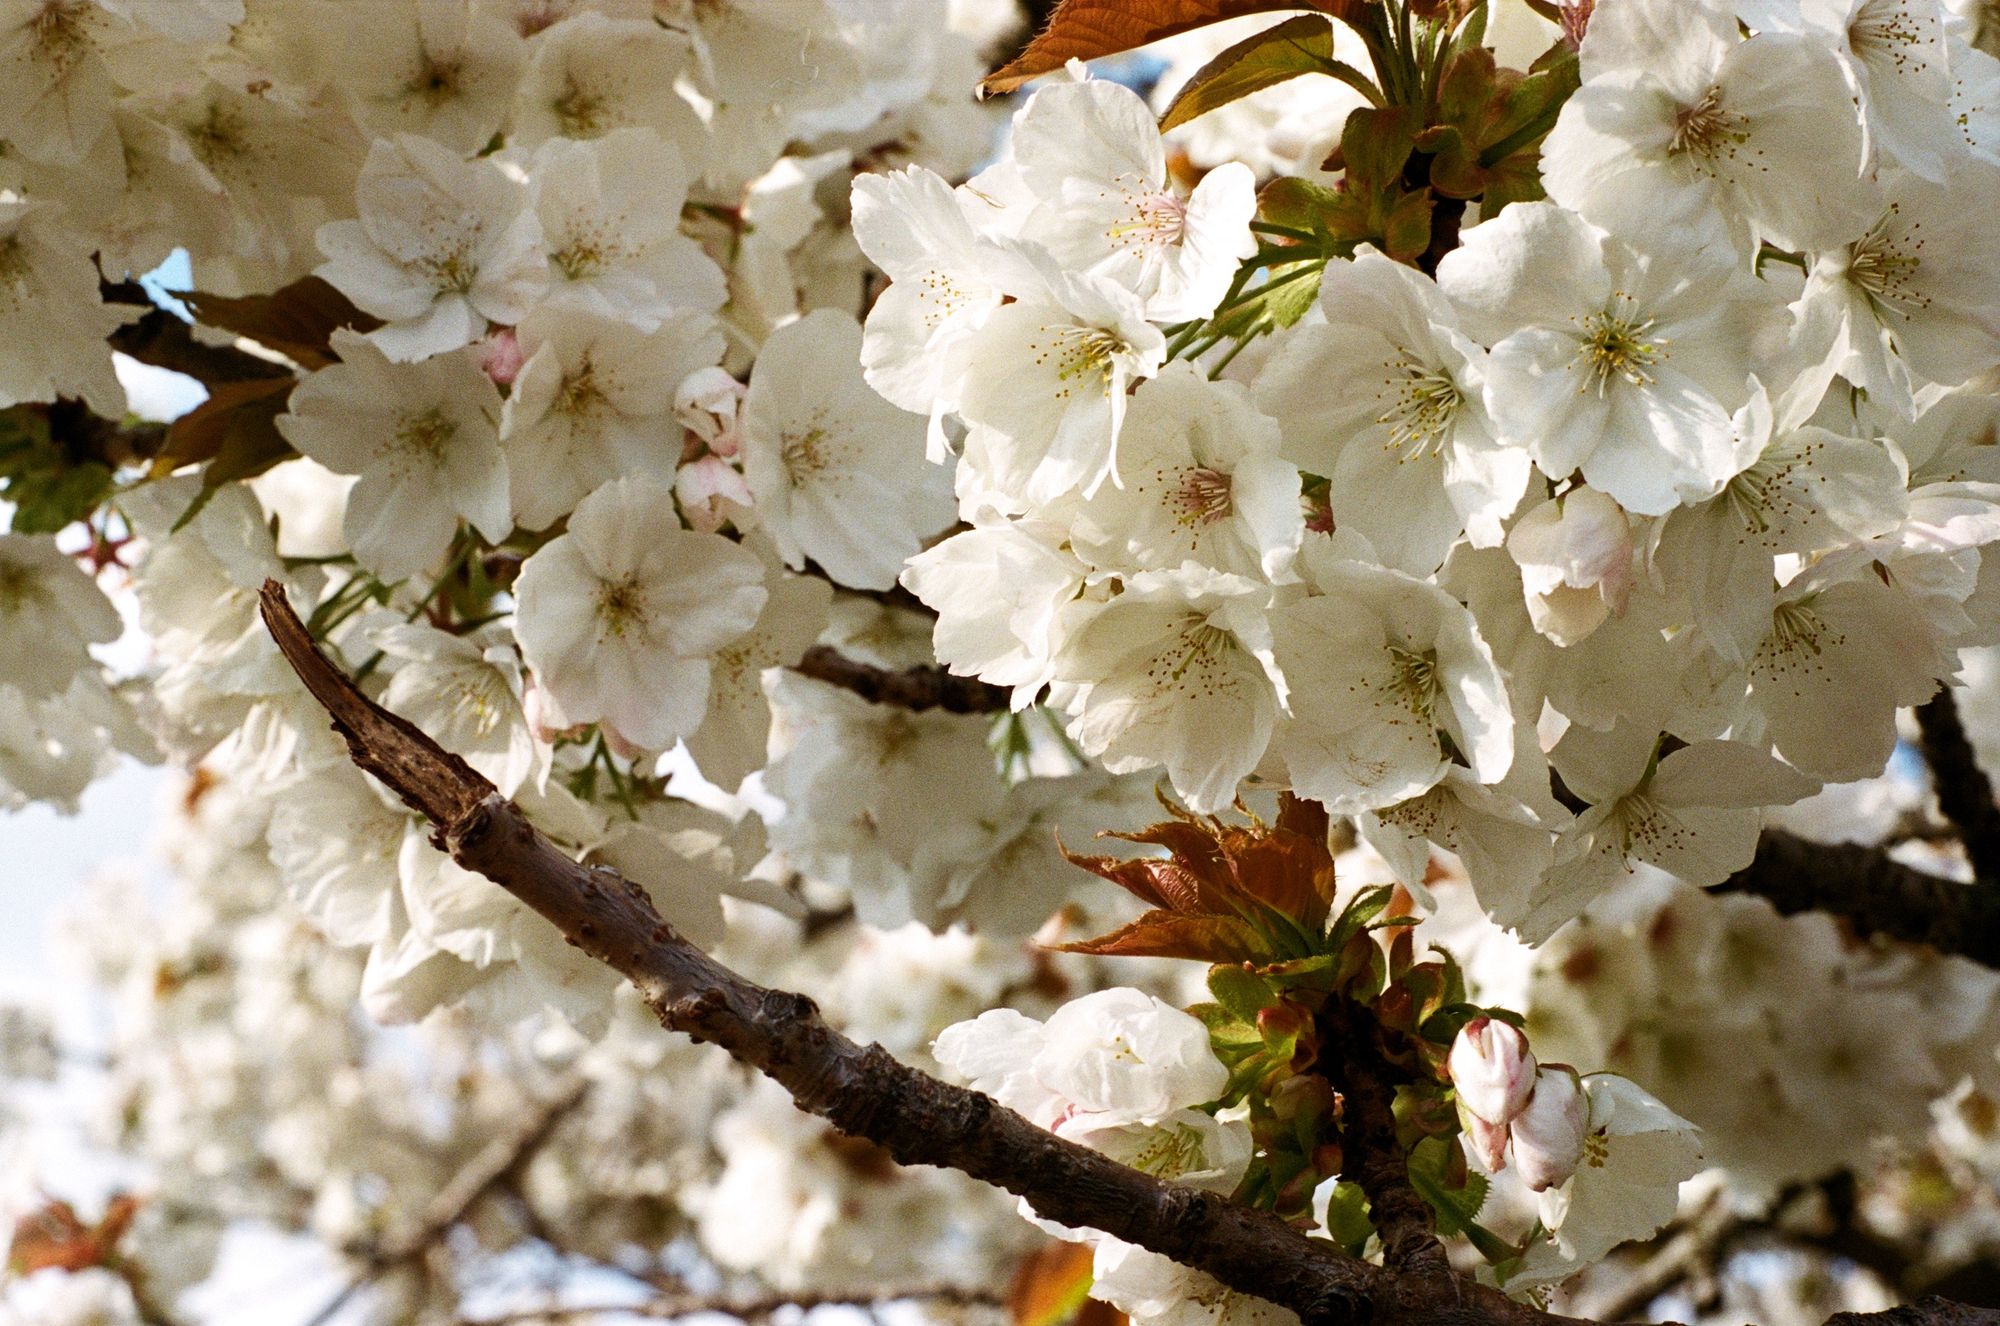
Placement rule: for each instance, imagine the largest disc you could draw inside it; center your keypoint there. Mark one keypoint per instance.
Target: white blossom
(619, 616)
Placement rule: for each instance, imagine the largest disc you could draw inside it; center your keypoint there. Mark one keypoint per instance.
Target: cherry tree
(864, 652)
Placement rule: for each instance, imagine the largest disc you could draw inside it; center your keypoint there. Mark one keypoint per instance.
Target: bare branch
(911, 688)
(1875, 893)
(866, 1092)
(673, 1307)
(491, 1167)
(1964, 793)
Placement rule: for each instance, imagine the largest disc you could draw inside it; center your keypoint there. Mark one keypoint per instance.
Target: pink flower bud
(711, 491)
(501, 357)
(1493, 1070)
(1486, 1141)
(1549, 1133)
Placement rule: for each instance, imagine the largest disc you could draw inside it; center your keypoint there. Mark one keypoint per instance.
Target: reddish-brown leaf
(233, 412)
(297, 321)
(1160, 934)
(54, 1237)
(1087, 29)
(1052, 1288)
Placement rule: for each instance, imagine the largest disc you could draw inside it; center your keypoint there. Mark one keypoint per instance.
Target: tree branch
(911, 688)
(1875, 893)
(1354, 1059)
(490, 1167)
(1964, 793)
(866, 1092)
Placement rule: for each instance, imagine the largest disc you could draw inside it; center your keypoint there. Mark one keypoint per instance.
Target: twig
(867, 1093)
(910, 688)
(491, 1166)
(1964, 793)
(673, 1306)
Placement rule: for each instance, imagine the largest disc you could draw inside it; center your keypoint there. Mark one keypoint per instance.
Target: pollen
(1884, 264)
(1617, 343)
(1416, 680)
(1708, 134)
(621, 605)
(1147, 217)
(1201, 498)
(1422, 402)
(1078, 355)
(580, 112)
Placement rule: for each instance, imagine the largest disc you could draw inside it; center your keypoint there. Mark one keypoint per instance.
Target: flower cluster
(1533, 455)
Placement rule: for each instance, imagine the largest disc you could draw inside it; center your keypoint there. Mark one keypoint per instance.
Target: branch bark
(1875, 893)
(1964, 793)
(1354, 1059)
(911, 688)
(865, 1092)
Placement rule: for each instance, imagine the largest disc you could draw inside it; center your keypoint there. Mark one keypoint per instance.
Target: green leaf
(1437, 1172)
(48, 489)
(1302, 45)
(1245, 994)
(1347, 1217)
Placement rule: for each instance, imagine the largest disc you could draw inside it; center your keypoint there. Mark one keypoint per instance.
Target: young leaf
(1302, 45)
(298, 321)
(1455, 1197)
(1087, 29)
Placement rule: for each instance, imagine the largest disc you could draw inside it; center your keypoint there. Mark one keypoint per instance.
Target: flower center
(1151, 218)
(1423, 401)
(1195, 661)
(434, 81)
(452, 271)
(1706, 132)
(803, 454)
(1417, 680)
(1885, 29)
(1884, 265)
(621, 604)
(1169, 1153)
(1080, 354)
(18, 587)
(1615, 344)
(426, 435)
(580, 395)
(579, 112)
(59, 32)
(1202, 498)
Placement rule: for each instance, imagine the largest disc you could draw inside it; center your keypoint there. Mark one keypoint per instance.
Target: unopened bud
(1493, 1070)
(1549, 1134)
(501, 357)
(1486, 1141)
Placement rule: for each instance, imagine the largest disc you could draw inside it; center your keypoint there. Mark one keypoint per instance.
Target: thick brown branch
(1353, 1058)
(865, 1092)
(1875, 893)
(1964, 793)
(911, 688)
